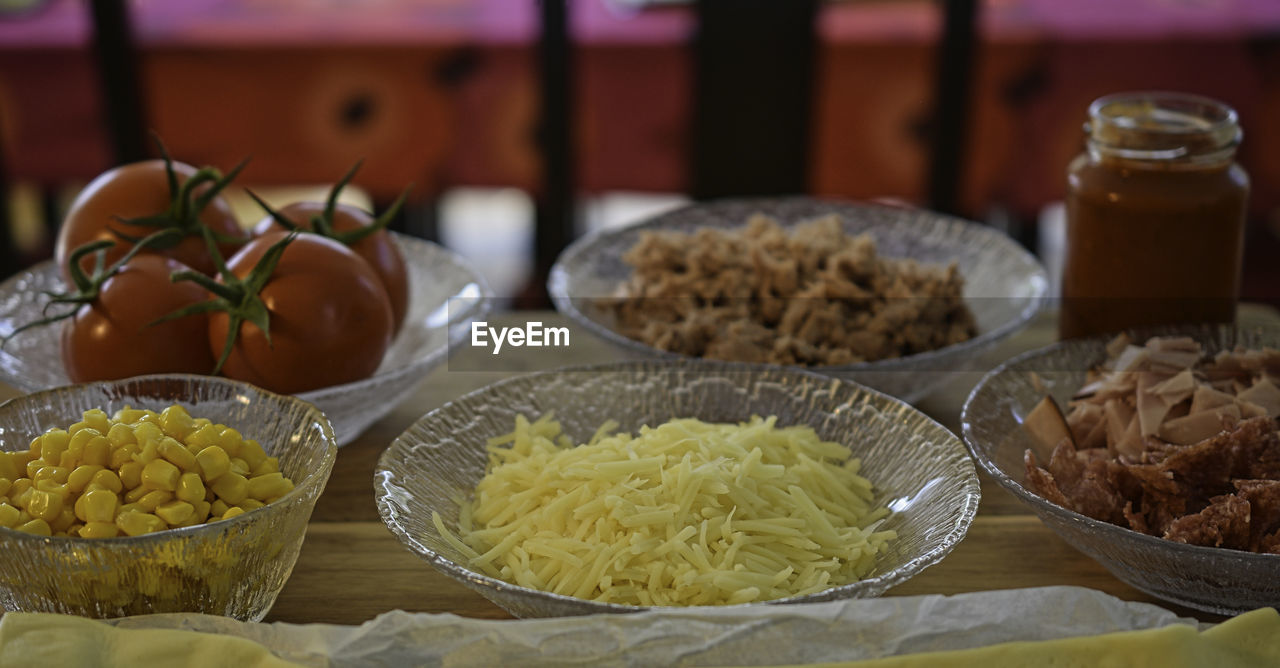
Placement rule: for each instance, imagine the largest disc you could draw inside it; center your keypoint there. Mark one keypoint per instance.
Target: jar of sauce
(1155, 215)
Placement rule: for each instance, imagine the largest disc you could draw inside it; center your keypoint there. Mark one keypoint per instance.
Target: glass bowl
(920, 470)
(1004, 284)
(233, 567)
(1212, 579)
(445, 295)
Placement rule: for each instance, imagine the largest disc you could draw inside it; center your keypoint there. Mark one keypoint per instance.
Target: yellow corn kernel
(8, 515)
(34, 467)
(55, 442)
(20, 487)
(81, 507)
(190, 488)
(213, 462)
(232, 488)
(64, 520)
(137, 523)
(240, 466)
(207, 435)
(99, 506)
(218, 508)
(136, 493)
(176, 513)
(108, 480)
(268, 465)
(232, 512)
(149, 451)
(129, 415)
(120, 434)
(99, 530)
(74, 452)
(176, 422)
(36, 526)
(131, 474)
(97, 452)
(160, 474)
(5, 484)
(56, 473)
(21, 499)
(154, 499)
(252, 454)
(81, 476)
(37, 444)
(128, 508)
(53, 487)
(44, 505)
(251, 504)
(147, 431)
(269, 486)
(176, 454)
(122, 455)
(230, 440)
(96, 418)
(202, 511)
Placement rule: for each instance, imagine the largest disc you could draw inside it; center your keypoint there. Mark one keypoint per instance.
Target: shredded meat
(816, 296)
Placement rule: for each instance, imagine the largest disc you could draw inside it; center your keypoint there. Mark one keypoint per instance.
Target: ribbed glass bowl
(1004, 284)
(919, 469)
(233, 567)
(445, 295)
(1216, 580)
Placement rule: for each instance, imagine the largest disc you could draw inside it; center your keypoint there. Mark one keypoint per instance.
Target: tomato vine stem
(322, 223)
(237, 297)
(85, 288)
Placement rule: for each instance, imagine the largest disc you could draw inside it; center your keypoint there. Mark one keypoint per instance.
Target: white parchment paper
(759, 635)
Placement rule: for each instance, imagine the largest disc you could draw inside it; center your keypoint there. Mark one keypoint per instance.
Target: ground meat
(816, 296)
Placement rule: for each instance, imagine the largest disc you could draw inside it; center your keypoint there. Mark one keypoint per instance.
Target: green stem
(86, 288)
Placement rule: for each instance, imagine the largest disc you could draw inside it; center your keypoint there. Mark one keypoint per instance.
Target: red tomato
(109, 338)
(140, 190)
(329, 318)
(377, 249)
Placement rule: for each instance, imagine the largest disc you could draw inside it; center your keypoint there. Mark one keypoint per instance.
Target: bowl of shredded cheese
(635, 485)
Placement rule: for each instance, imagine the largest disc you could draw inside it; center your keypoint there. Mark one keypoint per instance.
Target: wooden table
(351, 567)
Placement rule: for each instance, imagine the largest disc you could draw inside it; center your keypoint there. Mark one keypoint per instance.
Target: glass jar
(1155, 215)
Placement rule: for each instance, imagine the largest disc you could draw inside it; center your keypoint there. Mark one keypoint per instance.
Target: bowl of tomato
(153, 274)
(445, 295)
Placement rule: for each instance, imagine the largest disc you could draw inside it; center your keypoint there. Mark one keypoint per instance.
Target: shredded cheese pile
(687, 513)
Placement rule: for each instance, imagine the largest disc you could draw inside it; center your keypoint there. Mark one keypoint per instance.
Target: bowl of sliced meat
(1156, 453)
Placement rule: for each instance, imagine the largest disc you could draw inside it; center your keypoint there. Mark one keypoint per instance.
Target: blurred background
(523, 123)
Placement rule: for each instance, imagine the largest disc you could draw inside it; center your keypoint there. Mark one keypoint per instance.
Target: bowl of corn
(170, 493)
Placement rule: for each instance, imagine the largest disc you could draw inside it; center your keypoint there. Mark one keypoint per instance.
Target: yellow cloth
(42, 639)
(1248, 640)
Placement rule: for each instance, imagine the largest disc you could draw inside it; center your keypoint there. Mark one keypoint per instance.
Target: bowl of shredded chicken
(627, 486)
(892, 298)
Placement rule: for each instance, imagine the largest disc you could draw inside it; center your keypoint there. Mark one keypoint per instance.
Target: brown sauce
(1151, 242)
